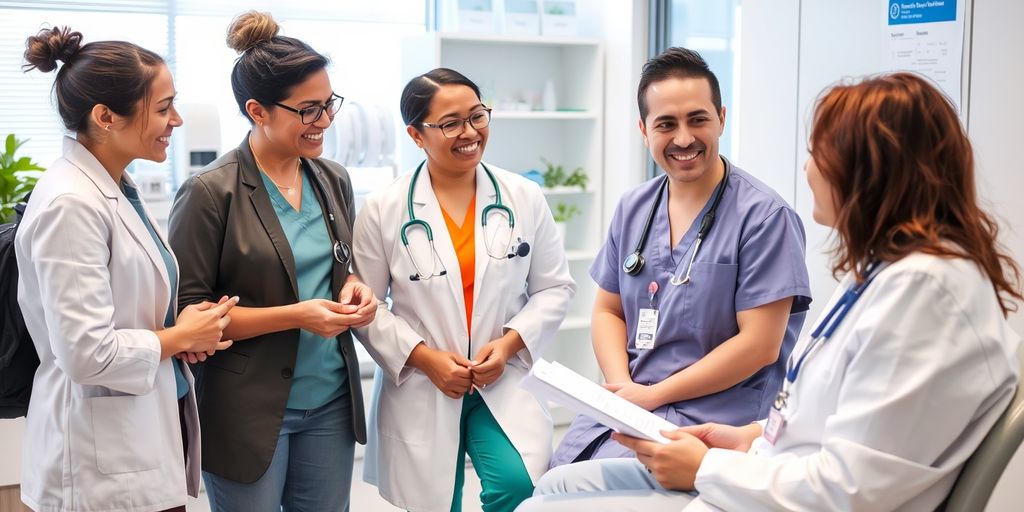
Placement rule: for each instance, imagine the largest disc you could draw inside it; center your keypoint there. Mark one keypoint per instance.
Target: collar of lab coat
(82, 158)
(424, 194)
(427, 208)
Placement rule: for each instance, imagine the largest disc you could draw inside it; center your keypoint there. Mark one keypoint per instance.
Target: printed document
(554, 382)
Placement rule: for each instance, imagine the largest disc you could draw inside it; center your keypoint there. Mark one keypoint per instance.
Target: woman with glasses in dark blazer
(272, 222)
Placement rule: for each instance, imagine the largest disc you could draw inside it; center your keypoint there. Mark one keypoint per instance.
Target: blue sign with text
(904, 12)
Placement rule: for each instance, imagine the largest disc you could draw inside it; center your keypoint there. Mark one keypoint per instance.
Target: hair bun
(43, 50)
(249, 29)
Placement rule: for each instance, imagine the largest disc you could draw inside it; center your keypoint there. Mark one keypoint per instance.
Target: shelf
(517, 40)
(538, 115)
(576, 322)
(564, 191)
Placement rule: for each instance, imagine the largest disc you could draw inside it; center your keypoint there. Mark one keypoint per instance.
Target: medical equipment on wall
(362, 136)
(520, 249)
(634, 263)
(199, 139)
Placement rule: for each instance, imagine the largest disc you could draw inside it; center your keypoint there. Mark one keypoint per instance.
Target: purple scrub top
(753, 255)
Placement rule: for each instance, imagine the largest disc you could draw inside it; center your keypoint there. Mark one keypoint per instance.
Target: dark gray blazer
(228, 240)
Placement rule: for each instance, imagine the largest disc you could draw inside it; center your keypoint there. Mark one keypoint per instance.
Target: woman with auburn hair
(915, 335)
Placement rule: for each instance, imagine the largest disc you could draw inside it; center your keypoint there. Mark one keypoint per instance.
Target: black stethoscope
(634, 263)
(342, 251)
(521, 248)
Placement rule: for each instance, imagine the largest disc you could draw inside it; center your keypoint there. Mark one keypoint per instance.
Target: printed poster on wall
(926, 37)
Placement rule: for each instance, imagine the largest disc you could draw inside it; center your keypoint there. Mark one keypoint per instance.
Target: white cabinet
(513, 73)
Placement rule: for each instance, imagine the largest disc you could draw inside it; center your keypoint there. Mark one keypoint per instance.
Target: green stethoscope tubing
(413, 221)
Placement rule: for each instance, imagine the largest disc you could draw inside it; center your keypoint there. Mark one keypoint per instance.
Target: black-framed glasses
(310, 115)
(454, 127)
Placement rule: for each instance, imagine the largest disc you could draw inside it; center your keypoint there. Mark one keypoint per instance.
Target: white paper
(926, 37)
(556, 383)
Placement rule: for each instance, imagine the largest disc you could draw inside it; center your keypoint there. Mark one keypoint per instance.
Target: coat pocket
(124, 429)
(229, 360)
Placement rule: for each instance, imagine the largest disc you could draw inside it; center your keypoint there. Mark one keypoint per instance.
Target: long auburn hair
(902, 173)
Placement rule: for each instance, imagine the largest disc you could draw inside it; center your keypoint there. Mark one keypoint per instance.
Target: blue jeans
(311, 469)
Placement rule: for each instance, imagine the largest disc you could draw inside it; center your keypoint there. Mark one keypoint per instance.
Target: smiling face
(284, 128)
(148, 132)
(457, 154)
(682, 128)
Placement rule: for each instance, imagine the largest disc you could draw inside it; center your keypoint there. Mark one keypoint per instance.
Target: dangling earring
(107, 127)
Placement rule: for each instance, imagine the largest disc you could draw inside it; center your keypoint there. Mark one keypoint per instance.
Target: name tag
(647, 326)
(774, 426)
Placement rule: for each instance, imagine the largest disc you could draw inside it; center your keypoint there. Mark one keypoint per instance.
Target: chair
(974, 486)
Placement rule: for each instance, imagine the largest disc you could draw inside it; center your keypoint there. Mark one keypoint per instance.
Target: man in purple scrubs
(703, 286)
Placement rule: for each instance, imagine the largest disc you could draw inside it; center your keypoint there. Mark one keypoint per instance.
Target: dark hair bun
(43, 50)
(249, 29)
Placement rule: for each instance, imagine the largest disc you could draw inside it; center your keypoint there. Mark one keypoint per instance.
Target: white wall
(625, 37)
(797, 48)
(769, 41)
(994, 124)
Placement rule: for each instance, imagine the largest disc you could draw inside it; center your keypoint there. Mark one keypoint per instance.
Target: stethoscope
(634, 263)
(521, 248)
(342, 251)
(826, 329)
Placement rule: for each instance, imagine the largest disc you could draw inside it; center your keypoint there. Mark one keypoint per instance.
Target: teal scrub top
(172, 274)
(319, 372)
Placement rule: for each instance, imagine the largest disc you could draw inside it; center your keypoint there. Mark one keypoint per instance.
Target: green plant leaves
(555, 176)
(17, 177)
(563, 212)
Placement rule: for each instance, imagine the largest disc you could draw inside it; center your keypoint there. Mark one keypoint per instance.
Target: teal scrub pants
(503, 477)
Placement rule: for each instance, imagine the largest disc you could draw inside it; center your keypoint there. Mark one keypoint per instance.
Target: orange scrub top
(464, 240)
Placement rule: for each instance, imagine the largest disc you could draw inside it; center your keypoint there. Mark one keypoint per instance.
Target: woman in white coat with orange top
(477, 277)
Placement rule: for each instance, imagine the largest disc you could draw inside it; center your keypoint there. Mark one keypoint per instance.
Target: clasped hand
(205, 323)
(455, 375)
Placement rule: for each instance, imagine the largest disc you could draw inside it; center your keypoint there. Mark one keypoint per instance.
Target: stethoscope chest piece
(342, 252)
(633, 264)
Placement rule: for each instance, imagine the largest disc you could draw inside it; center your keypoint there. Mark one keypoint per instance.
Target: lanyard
(831, 322)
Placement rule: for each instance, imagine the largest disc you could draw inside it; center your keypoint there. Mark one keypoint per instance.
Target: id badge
(774, 426)
(647, 326)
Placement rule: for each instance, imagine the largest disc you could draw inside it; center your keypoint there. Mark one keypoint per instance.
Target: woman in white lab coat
(469, 257)
(112, 422)
(904, 374)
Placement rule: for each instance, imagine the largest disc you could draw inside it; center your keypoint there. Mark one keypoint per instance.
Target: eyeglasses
(455, 127)
(310, 115)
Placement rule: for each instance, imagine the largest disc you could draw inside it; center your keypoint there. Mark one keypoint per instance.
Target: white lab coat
(884, 414)
(103, 429)
(414, 428)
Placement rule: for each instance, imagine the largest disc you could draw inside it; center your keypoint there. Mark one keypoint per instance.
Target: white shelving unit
(512, 69)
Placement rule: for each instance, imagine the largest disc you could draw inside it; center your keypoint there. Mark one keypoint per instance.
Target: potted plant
(17, 177)
(577, 178)
(562, 214)
(555, 175)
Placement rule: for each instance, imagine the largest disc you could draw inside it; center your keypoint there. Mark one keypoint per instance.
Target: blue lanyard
(835, 316)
